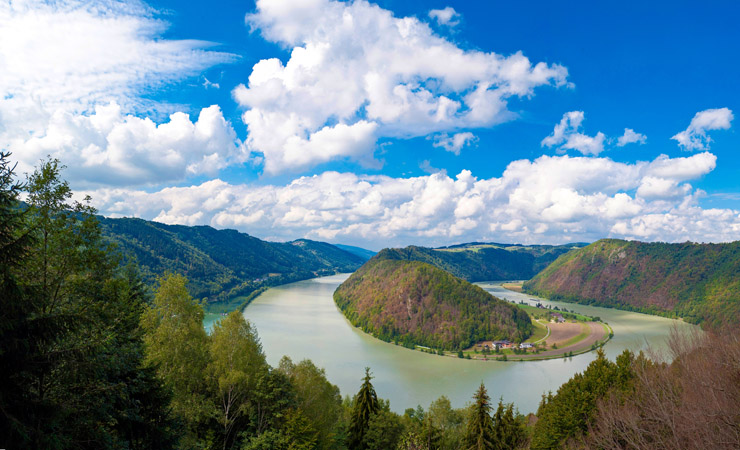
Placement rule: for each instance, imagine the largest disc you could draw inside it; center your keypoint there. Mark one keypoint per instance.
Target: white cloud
(427, 167)
(76, 54)
(446, 16)
(454, 143)
(687, 168)
(550, 199)
(208, 84)
(358, 73)
(631, 137)
(695, 136)
(62, 60)
(110, 148)
(567, 136)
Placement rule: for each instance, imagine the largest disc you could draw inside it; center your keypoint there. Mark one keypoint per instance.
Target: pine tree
(365, 405)
(15, 311)
(508, 428)
(480, 433)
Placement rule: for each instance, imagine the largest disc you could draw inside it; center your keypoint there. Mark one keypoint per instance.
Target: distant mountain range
(698, 282)
(415, 303)
(484, 261)
(224, 265)
(359, 251)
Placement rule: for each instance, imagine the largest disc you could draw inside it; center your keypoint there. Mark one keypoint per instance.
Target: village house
(502, 344)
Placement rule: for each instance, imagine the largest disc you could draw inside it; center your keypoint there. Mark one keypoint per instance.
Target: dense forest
(482, 261)
(697, 282)
(222, 265)
(92, 359)
(414, 303)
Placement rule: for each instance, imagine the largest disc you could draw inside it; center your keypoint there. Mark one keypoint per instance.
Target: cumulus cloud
(446, 16)
(61, 60)
(631, 137)
(550, 199)
(567, 136)
(454, 143)
(695, 136)
(357, 73)
(109, 147)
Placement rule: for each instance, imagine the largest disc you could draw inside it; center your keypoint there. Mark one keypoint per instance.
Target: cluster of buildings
(554, 316)
(498, 345)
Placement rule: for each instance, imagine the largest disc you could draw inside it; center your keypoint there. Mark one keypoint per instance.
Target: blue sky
(387, 123)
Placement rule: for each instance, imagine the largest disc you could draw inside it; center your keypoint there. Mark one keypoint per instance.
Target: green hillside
(698, 282)
(483, 261)
(411, 302)
(223, 264)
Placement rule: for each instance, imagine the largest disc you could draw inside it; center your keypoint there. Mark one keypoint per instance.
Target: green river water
(300, 320)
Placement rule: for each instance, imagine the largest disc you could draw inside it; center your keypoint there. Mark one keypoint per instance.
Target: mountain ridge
(483, 261)
(697, 282)
(222, 265)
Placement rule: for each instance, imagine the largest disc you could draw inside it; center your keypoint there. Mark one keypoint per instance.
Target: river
(301, 320)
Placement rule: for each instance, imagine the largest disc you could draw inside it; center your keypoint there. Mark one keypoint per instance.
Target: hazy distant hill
(412, 302)
(699, 282)
(361, 252)
(483, 261)
(223, 264)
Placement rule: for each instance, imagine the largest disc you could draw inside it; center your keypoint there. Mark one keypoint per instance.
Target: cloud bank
(550, 199)
(357, 73)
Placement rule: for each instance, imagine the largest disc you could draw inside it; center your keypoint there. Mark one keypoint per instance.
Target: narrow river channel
(300, 320)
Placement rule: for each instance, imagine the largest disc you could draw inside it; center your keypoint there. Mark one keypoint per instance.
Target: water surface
(301, 320)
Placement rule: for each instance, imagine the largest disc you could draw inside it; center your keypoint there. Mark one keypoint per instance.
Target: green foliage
(274, 396)
(236, 365)
(480, 433)
(445, 426)
(416, 303)
(72, 347)
(364, 407)
(317, 399)
(412, 441)
(384, 429)
(509, 427)
(567, 414)
(698, 282)
(296, 433)
(177, 347)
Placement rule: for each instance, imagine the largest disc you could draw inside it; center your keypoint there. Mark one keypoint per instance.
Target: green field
(540, 331)
(533, 311)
